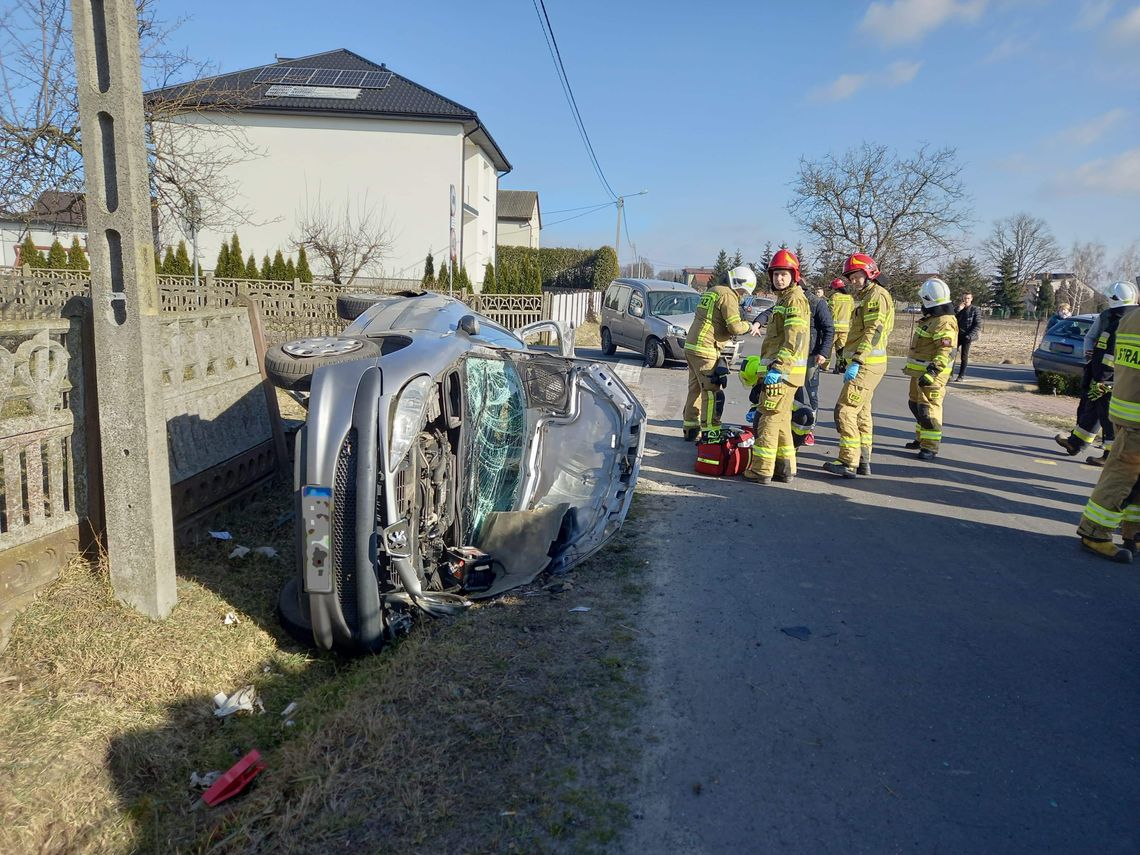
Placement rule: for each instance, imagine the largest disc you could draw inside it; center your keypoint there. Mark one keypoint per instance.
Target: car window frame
(640, 298)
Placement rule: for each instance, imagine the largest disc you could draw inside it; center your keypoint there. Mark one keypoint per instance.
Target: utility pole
(617, 236)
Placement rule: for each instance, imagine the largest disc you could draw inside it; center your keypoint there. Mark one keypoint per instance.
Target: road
(971, 681)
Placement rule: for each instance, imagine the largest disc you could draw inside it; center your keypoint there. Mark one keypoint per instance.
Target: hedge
(524, 270)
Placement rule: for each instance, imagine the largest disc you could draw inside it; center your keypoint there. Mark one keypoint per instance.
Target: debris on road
(235, 780)
(800, 632)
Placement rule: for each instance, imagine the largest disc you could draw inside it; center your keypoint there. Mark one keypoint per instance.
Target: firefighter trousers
(837, 345)
(705, 400)
(774, 451)
(853, 418)
(926, 404)
(1115, 501)
(1091, 417)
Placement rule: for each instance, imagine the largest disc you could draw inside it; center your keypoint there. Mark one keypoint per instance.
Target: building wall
(12, 235)
(514, 233)
(480, 193)
(402, 169)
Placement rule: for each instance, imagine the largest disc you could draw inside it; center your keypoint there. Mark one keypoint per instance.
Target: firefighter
(841, 304)
(866, 355)
(1115, 501)
(716, 321)
(784, 360)
(928, 365)
(1096, 382)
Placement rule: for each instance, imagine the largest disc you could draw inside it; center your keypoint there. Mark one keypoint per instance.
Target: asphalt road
(971, 681)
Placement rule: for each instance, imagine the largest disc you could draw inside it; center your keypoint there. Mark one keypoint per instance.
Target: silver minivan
(649, 316)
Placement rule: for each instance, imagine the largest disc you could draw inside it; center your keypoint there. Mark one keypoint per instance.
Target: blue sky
(710, 106)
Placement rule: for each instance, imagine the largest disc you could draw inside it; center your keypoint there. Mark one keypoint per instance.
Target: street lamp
(620, 207)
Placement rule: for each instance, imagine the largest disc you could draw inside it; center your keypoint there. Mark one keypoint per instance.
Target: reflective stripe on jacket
(715, 322)
(785, 347)
(1124, 408)
(935, 337)
(841, 307)
(871, 325)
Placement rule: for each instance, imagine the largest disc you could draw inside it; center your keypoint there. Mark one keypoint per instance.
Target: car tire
(290, 614)
(295, 373)
(608, 346)
(349, 308)
(654, 353)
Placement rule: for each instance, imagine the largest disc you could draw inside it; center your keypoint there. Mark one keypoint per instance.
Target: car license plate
(316, 516)
(1058, 347)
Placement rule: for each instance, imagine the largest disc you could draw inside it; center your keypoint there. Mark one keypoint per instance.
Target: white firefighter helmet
(934, 292)
(742, 279)
(1121, 294)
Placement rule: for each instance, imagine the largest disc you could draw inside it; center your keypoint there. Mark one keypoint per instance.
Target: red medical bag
(725, 455)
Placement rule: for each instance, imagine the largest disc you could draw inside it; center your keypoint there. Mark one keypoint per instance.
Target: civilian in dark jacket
(969, 327)
(822, 337)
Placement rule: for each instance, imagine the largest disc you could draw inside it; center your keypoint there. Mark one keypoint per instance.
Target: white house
(519, 217)
(55, 216)
(344, 132)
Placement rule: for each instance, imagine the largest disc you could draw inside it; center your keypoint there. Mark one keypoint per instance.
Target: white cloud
(1127, 28)
(1088, 132)
(1009, 48)
(901, 21)
(1093, 13)
(846, 85)
(1115, 176)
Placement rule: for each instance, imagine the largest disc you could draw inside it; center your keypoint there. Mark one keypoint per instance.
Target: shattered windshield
(495, 431)
(666, 303)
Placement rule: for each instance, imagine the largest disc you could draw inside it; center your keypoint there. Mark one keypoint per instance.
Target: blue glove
(773, 377)
(852, 372)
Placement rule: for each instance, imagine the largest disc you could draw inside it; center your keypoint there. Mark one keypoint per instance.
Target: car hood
(683, 321)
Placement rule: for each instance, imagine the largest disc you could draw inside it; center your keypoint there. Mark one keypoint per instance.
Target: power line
(584, 207)
(568, 92)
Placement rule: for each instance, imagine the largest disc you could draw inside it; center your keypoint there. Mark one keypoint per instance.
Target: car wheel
(290, 614)
(654, 353)
(291, 365)
(608, 346)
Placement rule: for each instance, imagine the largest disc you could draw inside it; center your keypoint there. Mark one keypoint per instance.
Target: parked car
(443, 460)
(755, 308)
(651, 317)
(1062, 347)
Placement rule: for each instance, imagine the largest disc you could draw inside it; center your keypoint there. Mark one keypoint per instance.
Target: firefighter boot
(837, 468)
(864, 461)
(691, 434)
(913, 445)
(1066, 442)
(1093, 460)
(749, 475)
(927, 454)
(1106, 549)
(783, 473)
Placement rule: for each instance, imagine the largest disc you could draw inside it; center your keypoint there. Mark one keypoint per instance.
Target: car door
(619, 326)
(635, 320)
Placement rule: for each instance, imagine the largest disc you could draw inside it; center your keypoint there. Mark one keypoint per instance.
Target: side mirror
(637, 311)
(469, 324)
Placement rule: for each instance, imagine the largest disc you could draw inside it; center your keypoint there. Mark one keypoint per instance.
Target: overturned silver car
(443, 460)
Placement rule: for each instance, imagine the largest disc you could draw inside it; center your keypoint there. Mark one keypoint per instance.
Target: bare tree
(1035, 250)
(40, 135)
(906, 212)
(1126, 267)
(1087, 264)
(348, 240)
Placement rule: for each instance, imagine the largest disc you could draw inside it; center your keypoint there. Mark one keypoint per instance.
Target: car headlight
(679, 331)
(411, 406)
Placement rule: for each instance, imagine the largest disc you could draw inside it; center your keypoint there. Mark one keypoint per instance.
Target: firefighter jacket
(871, 325)
(1124, 408)
(1103, 346)
(715, 322)
(935, 336)
(841, 305)
(785, 347)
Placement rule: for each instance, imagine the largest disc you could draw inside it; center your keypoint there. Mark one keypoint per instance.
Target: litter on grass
(230, 619)
(240, 551)
(580, 609)
(221, 535)
(244, 699)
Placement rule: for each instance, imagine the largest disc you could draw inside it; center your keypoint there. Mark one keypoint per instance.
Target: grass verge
(502, 730)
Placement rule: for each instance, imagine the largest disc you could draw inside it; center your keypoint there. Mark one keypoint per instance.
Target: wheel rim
(322, 346)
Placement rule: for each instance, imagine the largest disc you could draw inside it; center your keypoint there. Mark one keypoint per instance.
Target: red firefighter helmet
(785, 259)
(861, 261)
(838, 283)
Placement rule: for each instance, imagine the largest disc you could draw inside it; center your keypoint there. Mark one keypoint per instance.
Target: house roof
(517, 205)
(55, 208)
(399, 98)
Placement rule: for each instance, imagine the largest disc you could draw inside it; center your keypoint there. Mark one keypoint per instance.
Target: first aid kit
(724, 453)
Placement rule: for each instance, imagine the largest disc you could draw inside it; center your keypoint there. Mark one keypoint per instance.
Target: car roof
(656, 284)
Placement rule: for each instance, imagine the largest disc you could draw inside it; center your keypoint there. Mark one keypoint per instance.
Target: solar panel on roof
(268, 75)
(324, 77)
(298, 75)
(376, 79)
(350, 78)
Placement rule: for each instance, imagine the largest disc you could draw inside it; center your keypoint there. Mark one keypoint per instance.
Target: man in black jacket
(969, 327)
(822, 337)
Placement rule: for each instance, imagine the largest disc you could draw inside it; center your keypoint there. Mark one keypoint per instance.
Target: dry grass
(999, 342)
(588, 334)
(500, 730)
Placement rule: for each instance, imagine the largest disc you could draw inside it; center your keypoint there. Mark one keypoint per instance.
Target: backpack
(725, 455)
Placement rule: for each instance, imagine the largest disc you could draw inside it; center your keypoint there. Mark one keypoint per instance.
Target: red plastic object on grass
(235, 780)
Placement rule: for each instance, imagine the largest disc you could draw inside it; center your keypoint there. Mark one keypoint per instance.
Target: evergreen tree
(463, 280)
(251, 271)
(183, 266)
(1046, 297)
(304, 274)
(1007, 290)
(57, 256)
(237, 267)
(489, 279)
(290, 269)
(442, 279)
(720, 269)
(76, 257)
(605, 268)
(737, 260)
(157, 264)
(766, 258)
(278, 268)
(30, 255)
(169, 265)
(222, 265)
(964, 276)
(429, 271)
(266, 268)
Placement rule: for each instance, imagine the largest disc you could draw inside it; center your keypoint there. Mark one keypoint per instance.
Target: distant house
(697, 277)
(54, 216)
(519, 218)
(338, 128)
